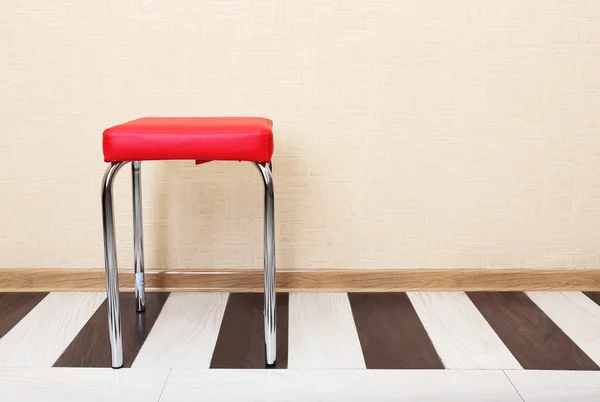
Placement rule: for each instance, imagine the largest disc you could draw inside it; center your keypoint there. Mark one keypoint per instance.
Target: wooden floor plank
(556, 386)
(463, 339)
(322, 332)
(185, 333)
(595, 296)
(91, 346)
(340, 386)
(241, 342)
(50, 384)
(576, 315)
(43, 334)
(15, 306)
(391, 334)
(531, 336)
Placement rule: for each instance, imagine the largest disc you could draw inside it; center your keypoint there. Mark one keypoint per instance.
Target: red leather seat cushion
(198, 138)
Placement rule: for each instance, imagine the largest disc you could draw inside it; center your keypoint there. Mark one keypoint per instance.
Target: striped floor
(316, 331)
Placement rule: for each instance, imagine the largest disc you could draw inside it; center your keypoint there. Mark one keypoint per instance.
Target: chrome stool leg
(138, 236)
(270, 291)
(110, 262)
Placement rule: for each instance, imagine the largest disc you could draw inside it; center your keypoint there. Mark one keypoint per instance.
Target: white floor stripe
(185, 333)
(339, 385)
(460, 334)
(322, 333)
(43, 334)
(556, 386)
(576, 315)
(33, 384)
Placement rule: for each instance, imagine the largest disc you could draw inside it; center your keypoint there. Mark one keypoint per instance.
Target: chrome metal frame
(138, 236)
(110, 262)
(269, 274)
(110, 258)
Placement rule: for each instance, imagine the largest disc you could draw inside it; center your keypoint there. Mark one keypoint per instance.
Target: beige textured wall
(409, 133)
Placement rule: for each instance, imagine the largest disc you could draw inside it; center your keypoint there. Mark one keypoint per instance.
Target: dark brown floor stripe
(241, 342)
(595, 296)
(531, 336)
(391, 333)
(91, 347)
(15, 306)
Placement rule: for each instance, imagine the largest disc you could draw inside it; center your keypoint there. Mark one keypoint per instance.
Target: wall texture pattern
(409, 133)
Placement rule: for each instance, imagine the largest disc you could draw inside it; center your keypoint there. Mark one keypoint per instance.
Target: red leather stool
(201, 139)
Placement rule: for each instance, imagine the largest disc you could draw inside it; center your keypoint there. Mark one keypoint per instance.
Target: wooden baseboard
(313, 280)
